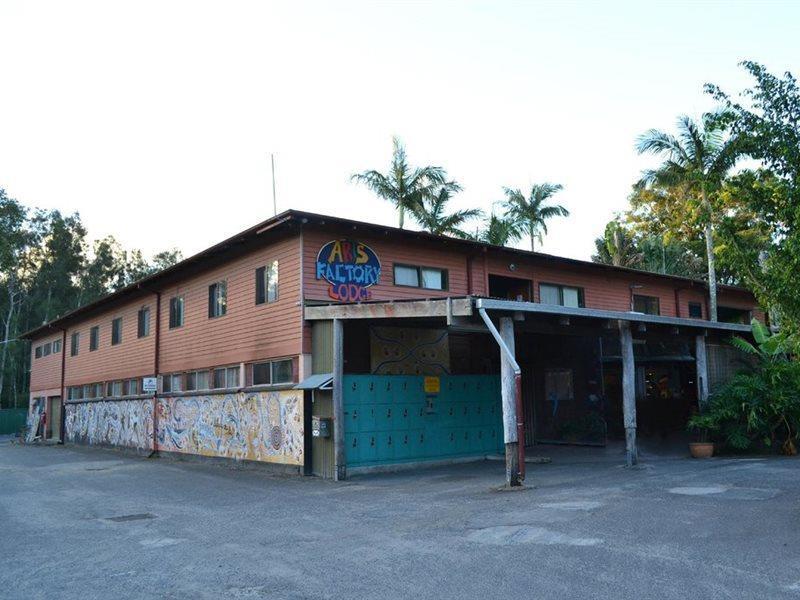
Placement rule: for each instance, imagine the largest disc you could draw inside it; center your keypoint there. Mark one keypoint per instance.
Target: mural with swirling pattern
(261, 426)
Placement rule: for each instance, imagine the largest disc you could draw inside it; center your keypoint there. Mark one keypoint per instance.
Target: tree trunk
(6, 334)
(402, 211)
(533, 241)
(712, 269)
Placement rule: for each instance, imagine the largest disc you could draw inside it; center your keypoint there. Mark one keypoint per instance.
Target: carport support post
(508, 382)
(628, 392)
(340, 466)
(701, 360)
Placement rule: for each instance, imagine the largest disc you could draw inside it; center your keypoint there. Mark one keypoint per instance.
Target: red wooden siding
(132, 357)
(45, 371)
(247, 331)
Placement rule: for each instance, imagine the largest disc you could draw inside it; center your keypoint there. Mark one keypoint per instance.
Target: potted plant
(702, 447)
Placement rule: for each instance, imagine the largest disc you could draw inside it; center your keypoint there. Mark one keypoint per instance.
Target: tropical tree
(498, 231)
(764, 124)
(617, 247)
(431, 212)
(696, 161)
(403, 186)
(532, 213)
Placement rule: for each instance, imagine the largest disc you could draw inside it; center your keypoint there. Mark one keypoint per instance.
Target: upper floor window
(648, 305)
(429, 278)
(75, 342)
(176, 306)
(561, 295)
(695, 310)
(729, 314)
(143, 322)
(94, 338)
(46, 349)
(273, 372)
(56, 346)
(267, 283)
(116, 331)
(38, 352)
(217, 299)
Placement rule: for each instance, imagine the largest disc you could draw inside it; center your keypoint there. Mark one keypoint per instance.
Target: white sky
(155, 120)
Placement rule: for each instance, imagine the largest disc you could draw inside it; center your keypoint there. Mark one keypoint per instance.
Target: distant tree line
(48, 268)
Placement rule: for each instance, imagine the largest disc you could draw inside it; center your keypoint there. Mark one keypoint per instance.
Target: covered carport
(477, 406)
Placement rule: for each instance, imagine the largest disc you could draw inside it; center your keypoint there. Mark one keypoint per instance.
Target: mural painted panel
(263, 426)
(126, 423)
(35, 412)
(409, 351)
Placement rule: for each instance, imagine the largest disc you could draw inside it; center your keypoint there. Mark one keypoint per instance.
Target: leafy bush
(758, 409)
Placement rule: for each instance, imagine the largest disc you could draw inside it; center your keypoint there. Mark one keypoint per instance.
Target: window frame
(227, 369)
(176, 302)
(218, 299)
(56, 346)
(420, 281)
(194, 386)
(561, 287)
(142, 322)
(647, 298)
(94, 338)
(75, 343)
(699, 306)
(271, 370)
(37, 352)
(263, 279)
(116, 331)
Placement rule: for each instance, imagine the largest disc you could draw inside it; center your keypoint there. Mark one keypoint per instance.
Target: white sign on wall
(149, 385)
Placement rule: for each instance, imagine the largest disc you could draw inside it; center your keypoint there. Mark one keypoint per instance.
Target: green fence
(12, 420)
(391, 419)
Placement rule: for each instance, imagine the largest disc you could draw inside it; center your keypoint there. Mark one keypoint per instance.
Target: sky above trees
(155, 120)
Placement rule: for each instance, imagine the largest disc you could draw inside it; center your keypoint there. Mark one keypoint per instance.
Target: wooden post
(628, 392)
(509, 391)
(701, 361)
(339, 459)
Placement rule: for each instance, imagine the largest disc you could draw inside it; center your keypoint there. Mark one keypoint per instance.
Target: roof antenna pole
(274, 199)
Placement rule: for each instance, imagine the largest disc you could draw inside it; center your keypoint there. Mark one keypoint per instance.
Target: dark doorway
(510, 288)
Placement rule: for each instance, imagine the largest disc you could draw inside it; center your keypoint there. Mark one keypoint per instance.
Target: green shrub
(760, 409)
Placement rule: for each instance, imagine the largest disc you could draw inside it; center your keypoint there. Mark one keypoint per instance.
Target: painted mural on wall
(350, 267)
(262, 426)
(34, 421)
(125, 423)
(409, 351)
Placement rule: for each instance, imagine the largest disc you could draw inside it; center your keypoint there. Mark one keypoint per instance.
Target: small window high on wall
(561, 295)
(267, 283)
(429, 278)
(648, 305)
(217, 299)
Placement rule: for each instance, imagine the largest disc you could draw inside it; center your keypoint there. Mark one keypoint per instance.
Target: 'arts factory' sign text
(350, 267)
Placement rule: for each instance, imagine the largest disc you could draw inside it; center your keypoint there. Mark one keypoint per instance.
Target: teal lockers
(390, 418)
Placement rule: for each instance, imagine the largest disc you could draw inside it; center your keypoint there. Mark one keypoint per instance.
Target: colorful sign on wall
(350, 267)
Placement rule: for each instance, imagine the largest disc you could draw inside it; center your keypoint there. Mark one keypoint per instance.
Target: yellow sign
(432, 385)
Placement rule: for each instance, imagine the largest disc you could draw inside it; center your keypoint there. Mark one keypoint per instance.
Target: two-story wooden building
(394, 346)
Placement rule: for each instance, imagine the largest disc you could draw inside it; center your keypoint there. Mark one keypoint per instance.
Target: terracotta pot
(701, 449)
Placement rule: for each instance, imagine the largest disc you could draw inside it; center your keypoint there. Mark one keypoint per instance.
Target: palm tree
(431, 213)
(531, 214)
(617, 247)
(402, 186)
(696, 162)
(499, 231)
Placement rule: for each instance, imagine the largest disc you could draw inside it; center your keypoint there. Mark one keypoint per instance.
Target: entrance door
(53, 418)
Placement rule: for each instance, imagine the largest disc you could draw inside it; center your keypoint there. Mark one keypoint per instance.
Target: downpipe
(517, 388)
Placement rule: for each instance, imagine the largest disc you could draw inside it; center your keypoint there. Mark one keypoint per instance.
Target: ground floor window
(226, 377)
(273, 372)
(196, 380)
